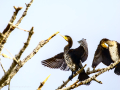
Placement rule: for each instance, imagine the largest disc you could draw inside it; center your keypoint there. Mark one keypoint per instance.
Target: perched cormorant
(70, 59)
(107, 54)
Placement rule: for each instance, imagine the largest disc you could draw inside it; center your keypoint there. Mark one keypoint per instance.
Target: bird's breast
(114, 52)
(69, 62)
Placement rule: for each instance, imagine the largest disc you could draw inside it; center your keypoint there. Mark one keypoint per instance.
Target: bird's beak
(64, 37)
(104, 45)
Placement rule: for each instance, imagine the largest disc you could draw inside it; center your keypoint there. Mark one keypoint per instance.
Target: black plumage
(70, 59)
(107, 54)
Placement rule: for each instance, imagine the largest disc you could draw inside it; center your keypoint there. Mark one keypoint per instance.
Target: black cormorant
(107, 54)
(70, 59)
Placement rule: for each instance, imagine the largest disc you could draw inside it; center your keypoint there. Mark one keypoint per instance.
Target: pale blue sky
(89, 19)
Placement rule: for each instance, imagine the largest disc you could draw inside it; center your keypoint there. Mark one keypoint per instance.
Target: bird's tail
(117, 69)
(82, 76)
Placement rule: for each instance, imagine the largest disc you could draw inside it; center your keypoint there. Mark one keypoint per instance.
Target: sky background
(89, 19)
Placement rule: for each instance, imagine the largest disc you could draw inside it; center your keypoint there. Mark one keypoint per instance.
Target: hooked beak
(64, 37)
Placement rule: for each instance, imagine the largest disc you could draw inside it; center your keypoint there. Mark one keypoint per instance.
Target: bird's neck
(68, 46)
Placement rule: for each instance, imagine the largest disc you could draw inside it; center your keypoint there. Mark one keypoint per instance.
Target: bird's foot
(74, 72)
(71, 77)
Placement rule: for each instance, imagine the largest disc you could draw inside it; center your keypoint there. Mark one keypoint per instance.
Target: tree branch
(93, 71)
(2, 66)
(9, 27)
(6, 75)
(93, 77)
(5, 34)
(6, 79)
(41, 84)
(65, 83)
(17, 27)
(12, 18)
(25, 44)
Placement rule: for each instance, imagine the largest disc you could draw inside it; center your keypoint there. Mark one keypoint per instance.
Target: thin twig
(93, 71)
(17, 27)
(24, 13)
(97, 80)
(5, 56)
(12, 56)
(2, 66)
(9, 86)
(41, 84)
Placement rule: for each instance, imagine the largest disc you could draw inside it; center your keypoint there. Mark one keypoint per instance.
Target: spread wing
(81, 52)
(56, 62)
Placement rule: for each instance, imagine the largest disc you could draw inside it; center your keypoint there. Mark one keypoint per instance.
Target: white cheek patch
(114, 52)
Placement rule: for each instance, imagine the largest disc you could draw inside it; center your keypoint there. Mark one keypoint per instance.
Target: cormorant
(70, 59)
(107, 54)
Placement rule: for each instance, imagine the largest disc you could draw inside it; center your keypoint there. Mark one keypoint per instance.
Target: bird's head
(103, 43)
(66, 37)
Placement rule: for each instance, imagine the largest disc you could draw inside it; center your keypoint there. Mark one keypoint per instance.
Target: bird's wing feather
(97, 57)
(81, 52)
(56, 62)
(118, 44)
(106, 57)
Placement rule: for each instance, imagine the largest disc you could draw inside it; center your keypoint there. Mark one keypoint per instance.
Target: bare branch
(93, 77)
(24, 13)
(65, 83)
(9, 27)
(9, 86)
(41, 84)
(97, 80)
(12, 56)
(41, 44)
(17, 27)
(6, 79)
(2, 66)
(12, 19)
(93, 71)
(5, 56)
(5, 33)
(25, 44)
